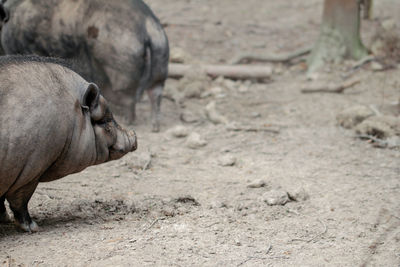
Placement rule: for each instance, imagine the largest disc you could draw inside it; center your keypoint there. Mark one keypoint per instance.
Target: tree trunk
(340, 34)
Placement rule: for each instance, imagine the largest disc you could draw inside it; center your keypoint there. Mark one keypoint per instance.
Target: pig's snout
(132, 140)
(125, 143)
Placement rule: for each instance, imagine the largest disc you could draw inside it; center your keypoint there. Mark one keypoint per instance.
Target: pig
(53, 123)
(120, 45)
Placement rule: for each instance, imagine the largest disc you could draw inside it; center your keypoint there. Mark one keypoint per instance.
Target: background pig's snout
(132, 140)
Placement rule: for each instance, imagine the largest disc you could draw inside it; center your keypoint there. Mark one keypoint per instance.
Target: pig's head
(112, 141)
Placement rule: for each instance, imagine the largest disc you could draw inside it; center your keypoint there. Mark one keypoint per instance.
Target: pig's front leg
(4, 218)
(18, 200)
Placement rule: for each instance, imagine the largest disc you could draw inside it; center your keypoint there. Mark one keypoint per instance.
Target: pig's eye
(101, 122)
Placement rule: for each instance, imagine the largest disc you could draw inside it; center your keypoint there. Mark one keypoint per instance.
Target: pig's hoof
(30, 228)
(5, 218)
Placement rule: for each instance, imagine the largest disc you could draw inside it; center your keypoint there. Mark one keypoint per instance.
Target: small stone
(218, 204)
(255, 115)
(377, 47)
(178, 55)
(195, 141)
(227, 160)
(171, 91)
(216, 90)
(257, 184)
(238, 243)
(179, 131)
(298, 194)
(379, 126)
(275, 197)
(376, 66)
(393, 142)
(229, 84)
(205, 94)
(189, 117)
(213, 115)
(312, 76)
(350, 117)
(194, 89)
(243, 89)
(389, 24)
(193, 84)
(168, 211)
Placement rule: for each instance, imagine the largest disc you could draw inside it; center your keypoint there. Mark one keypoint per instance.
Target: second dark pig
(120, 45)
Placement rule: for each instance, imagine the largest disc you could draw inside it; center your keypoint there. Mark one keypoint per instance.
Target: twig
(338, 88)
(318, 235)
(356, 66)
(276, 58)
(250, 258)
(236, 128)
(268, 249)
(147, 164)
(378, 141)
(362, 61)
(208, 226)
(154, 222)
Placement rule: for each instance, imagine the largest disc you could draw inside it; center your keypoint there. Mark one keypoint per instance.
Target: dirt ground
(171, 205)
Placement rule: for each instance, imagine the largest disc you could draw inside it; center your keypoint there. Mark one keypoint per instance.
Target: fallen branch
(275, 58)
(333, 88)
(235, 72)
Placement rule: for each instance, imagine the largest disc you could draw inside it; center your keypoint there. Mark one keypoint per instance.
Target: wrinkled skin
(120, 45)
(53, 123)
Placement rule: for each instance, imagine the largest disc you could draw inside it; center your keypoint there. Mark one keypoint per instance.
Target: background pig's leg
(19, 205)
(3, 213)
(155, 96)
(122, 103)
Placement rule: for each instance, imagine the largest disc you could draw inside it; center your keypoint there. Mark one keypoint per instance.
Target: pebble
(257, 183)
(213, 115)
(298, 194)
(389, 24)
(255, 115)
(178, 55)
(229, 84)
(179, 131)
(275, 197)
(376, 66)
(393, 142)
(243, 89)
(195, 141)
(227, 160)
(380, 126)
(352, 116)
(189, 117)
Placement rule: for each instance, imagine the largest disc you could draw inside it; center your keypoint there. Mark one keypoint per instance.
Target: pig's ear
(91, 97)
